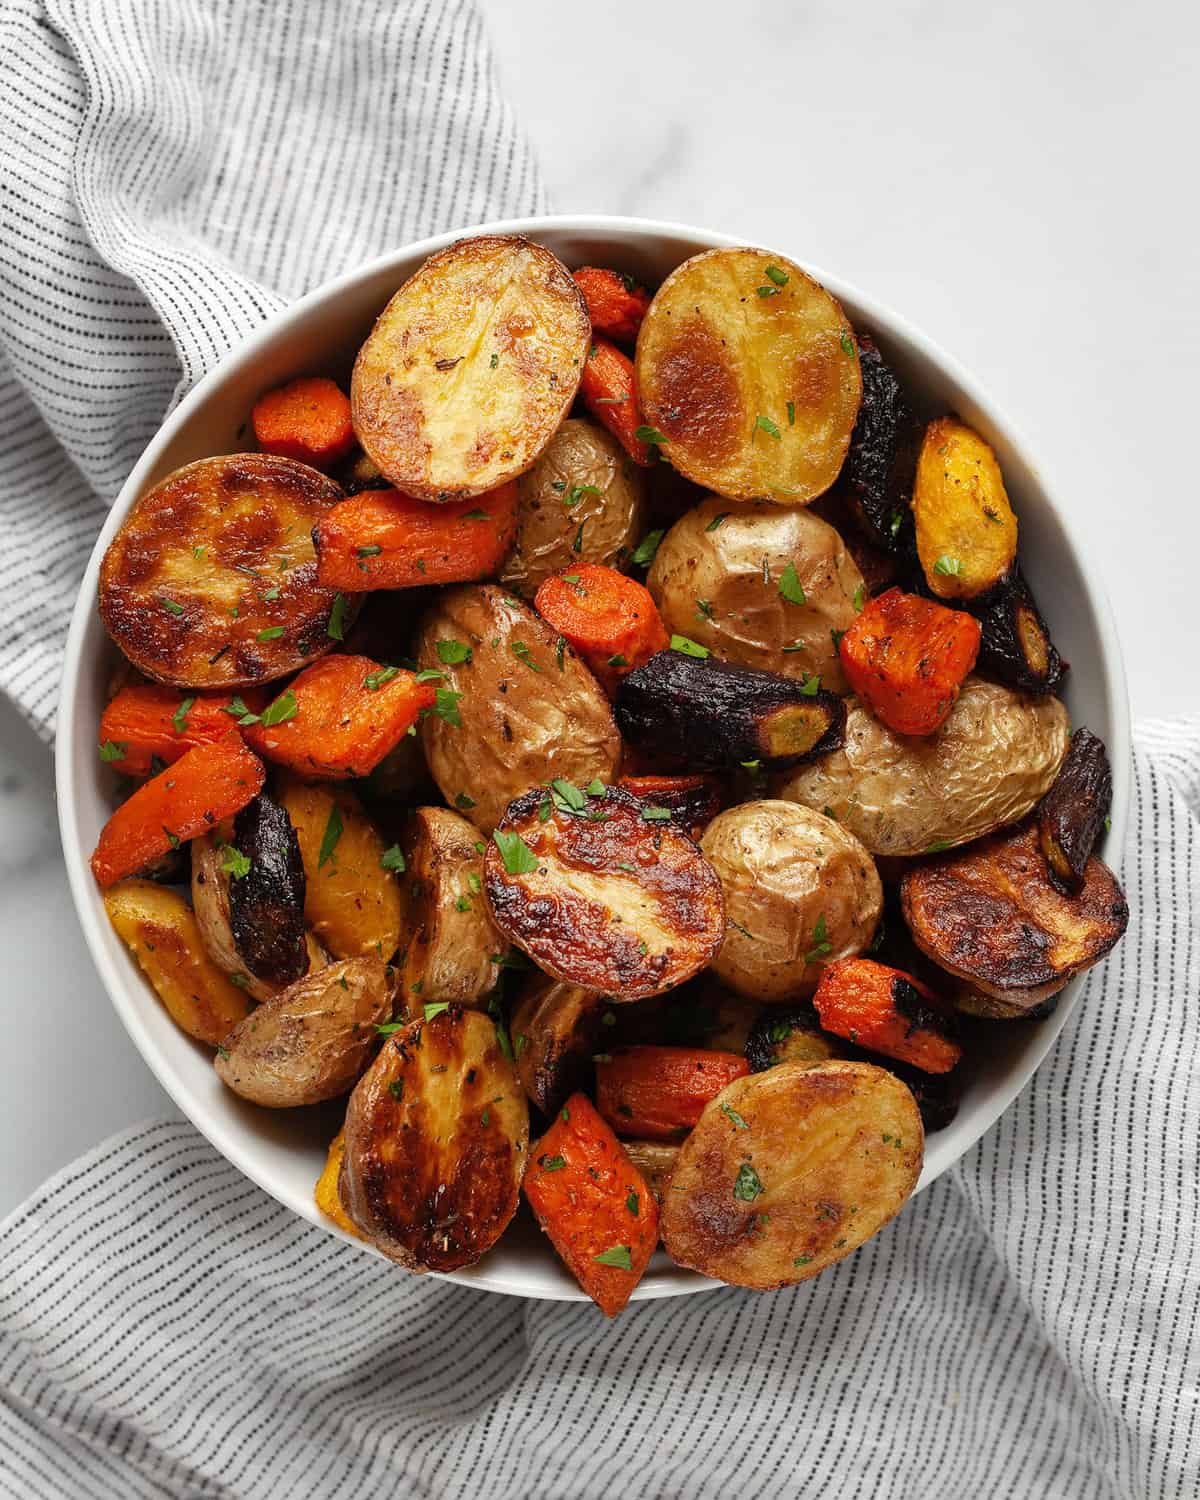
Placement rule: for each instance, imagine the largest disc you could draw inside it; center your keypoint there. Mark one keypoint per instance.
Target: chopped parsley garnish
(704, 610)
(631, 1203)
(271, 633)
(179, 717)
(552, 1163)
(643, 553)
(821, 944)
(474, 884)
(476, 515)
(113, 750)
(464, 802)
(493, 362)
(836, 637)
(172, 838)
(860, 597)
(791, 411)
(811, 685)
(521, 651)
(577, 544)
(716, 521)
(688, 647)
(796, 646)
(372, 551)
(617, 661)
(790, 587)
(780, 278)
(656, 814)
(279, 712)
(802, 1260)
(170, 604)
(463, 903)
(764, 424)
(429, 674)
(435, 1008)
(847, 343)
(618, 1256)
(389, 1028)
(396, 1089)
(748, 1184)
(596, 788)
(650, 435)
(567, 796)
(947, 566)
(329, 839)
(236, 709)
(578, 491)
(373, 681)
(735, 1119)
(336, 629)
(235, 864)
(453, 652)
(446, 707)
(393, 859)
(938, 845)
(518, 857)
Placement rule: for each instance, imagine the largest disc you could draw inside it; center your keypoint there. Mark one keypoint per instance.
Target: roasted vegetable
(211, 581)
(160, 931)
(266, 892)
(800, 891)
(966, 530)
(660, 1092)
(907, 657)
(146, 723)
(602, 891)
(790, 1170)
(312, 1041)
(705, 714)
(989, 764)
(470, 368)
(693, 801)
(887, 1011)
(608, 388)
(616, 304)
(701, 1013)
(991, 916)
(881, 464)
(609, 619)
(359, 473)
(793, 1035)
(325, 1194)
(655, 1160)
(306, 419)
(1015, 644)
(1074, 809)
(594, 1204)
(556, 1030)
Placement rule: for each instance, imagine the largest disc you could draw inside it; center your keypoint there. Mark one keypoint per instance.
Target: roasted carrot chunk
(206, 784)
(340, 717)
(658, 1093)
(594, 1204)
(885, 1010)
(906, 657)
(146, 722)
(693, 801)
(306, 419)
(611, 620)
(609, 392)
(615, 303)
(382, 539)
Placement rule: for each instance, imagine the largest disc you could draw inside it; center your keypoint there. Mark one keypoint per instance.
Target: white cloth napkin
(172, 170)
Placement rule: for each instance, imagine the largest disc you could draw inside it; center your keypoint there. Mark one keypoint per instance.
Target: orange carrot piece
(609, 392)
(694, 801)
(906, 658)
(147, 721)
(611, 620)
(340, 717)
(885, 1010)
(616, 304)
(306, 419)
(658, 1093)
(206, 784)
(594, 1204)
(382, 539)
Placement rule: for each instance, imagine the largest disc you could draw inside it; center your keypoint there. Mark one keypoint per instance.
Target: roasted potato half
(313, 1040)
(966, 529)
(800, 891)
(470, 368)
(791, 1170)
(992, 916)
(451, 949)
(516, 703)
(749, 370)
(212, 579)
(437, 1133)
(602, 893)
(582, 502)
(759, 586)
(989, 764)
(556, 1030)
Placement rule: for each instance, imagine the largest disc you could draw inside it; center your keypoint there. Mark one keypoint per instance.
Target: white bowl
(283, 1151)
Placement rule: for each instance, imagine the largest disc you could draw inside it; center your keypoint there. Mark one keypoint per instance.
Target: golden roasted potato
(351, 902)
(749, 369)
(160, 931)
(989, 764)
(582, 502)
(800, 891)
(966, 530)
(655, 1160)
(437, 1133)
(325, 1194)
(452, 950)
(733, 581)
(313, 1040)
(211, 581)
(790, 1171)
(470, 368)
(518, 705)
(555, 1031)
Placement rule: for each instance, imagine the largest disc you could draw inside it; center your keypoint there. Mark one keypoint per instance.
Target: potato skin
(430, 408)
(824, 1157)
(523, 717)
(555, 1030)
(800, 891)
(313, 1040)
(993, 759)
(749, 622)
(552, 516)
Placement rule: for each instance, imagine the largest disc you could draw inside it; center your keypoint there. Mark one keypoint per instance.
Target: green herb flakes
(686, 647)
(329, 839)
(393, 859)
(643, 553)
(279, 712)
(518, 857)
(747, 1185)
(618, 1256)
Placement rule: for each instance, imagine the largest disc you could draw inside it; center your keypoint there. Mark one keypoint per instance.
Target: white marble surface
(1017, 179)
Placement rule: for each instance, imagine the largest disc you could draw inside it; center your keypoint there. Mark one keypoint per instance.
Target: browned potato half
(582, 502)
(325, 1194)
(733, 580)
(437, 1134)
(160, 931)
(451, 949)
(351, 902)
(517, 704)
(470, 368)
(749, 369)
(655, 1160)
(966, 530)
(800, 891)
(992, 916)
(313, 1040)
(608, 897)
(791, 1170)
(556, 1030)
(989, 764)
(211, 581)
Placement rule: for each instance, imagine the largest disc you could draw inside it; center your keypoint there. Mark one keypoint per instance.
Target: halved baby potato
(791, 1170)
(748, 368)
(212, 579)
(966, 529)
(470, 368)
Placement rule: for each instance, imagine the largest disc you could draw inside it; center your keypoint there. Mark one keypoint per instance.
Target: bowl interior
(284, 1151)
